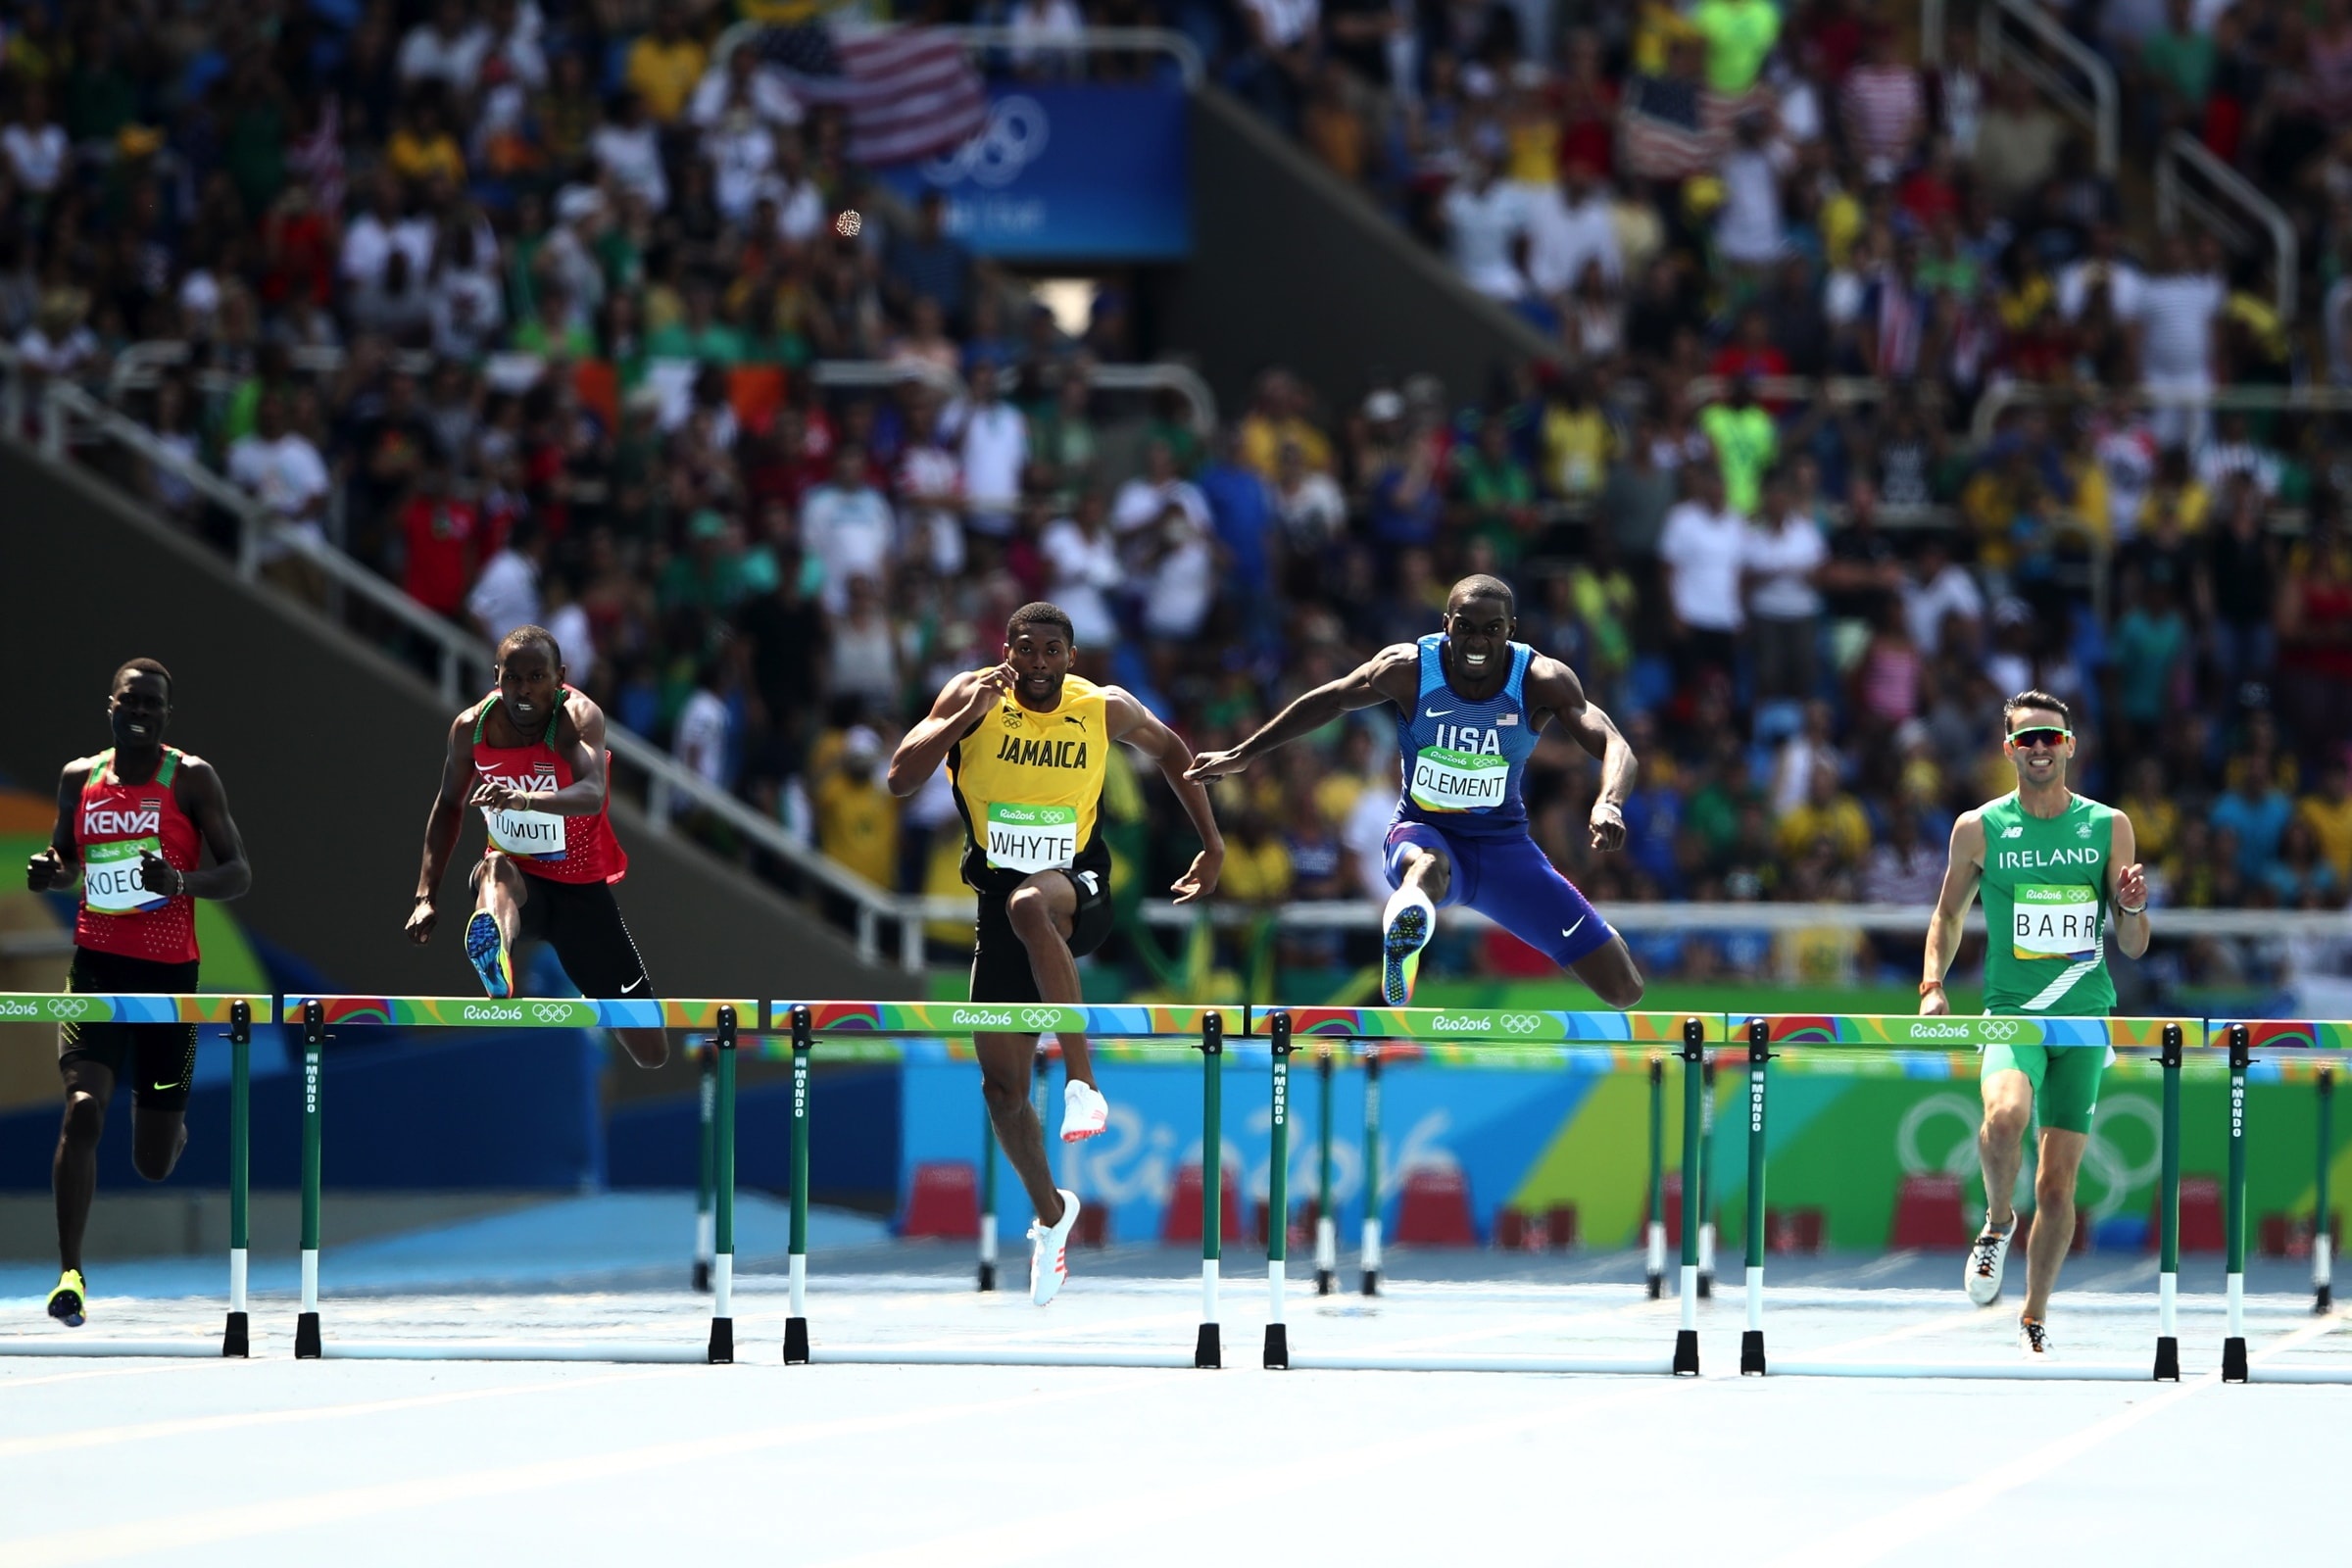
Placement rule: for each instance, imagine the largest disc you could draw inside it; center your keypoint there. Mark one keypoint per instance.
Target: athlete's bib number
(1032, 838)
(109, 877)
(529, 835)
(2061, 922)
(1458, 781)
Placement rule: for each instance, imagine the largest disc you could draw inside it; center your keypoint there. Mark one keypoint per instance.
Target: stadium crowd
(524, 306)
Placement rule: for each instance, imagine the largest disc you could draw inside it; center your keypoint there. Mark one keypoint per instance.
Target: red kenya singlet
(560, 848)
(114, 822)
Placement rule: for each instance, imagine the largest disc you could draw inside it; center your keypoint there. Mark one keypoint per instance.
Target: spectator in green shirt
(698, 335)
(2179, 59)
(1493, 493)
(1745, 443)
(707, 574)
(1739, 35)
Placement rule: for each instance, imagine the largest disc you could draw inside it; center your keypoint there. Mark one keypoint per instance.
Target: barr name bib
(2055, 922)
(109, 877)
(1458, 781)
(527, 835)
(1032, 838)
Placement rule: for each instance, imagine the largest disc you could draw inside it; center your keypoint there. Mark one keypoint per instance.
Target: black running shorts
(1000, 969)
(581, 922)
(159, 1058)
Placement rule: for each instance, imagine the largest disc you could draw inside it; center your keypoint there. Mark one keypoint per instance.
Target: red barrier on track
(1434, 1210)
(943, 1202)
(1927, 1215)
(1180, 1222)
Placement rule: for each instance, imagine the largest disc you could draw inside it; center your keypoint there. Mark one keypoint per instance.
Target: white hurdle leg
(1654, 1264)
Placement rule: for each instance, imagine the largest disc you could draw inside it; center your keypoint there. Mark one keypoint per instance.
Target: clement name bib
(1032, 838)
(2055, 923)
(1458, 781)
(529, 835)
(109, 876)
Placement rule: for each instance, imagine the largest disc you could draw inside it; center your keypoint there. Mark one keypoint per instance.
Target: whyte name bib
(1458, 781)
(527, 835)
(109, 876)
(2055, 923)
(1032, 838)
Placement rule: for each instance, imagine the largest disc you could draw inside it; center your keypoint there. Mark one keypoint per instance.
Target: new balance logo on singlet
(1042, 754)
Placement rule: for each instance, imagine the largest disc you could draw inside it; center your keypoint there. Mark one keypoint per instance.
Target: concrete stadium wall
(330, 752)
(1292, 264)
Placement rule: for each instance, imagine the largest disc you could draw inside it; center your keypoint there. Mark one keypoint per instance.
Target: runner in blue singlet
(1470, 704)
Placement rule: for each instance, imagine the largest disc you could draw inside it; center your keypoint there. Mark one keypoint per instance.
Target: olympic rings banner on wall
(1068, 174)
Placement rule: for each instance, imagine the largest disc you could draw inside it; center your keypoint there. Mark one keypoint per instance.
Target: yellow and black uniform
(1029, 788)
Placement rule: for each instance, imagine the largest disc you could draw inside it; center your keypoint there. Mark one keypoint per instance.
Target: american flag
(910, 91)
(1673, 130)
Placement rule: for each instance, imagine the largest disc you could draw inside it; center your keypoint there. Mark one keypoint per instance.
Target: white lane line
(1869, 1540)
(11, 1384)
(184, 1426)
(1934, 1325)
(65, 1548)
(1118, 1517)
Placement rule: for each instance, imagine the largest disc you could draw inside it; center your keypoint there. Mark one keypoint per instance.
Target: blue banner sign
(1075, 173)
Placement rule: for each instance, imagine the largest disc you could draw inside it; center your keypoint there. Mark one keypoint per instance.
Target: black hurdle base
(2233, 1359)
(306, 1338)
(1706, 1287)
(702, 1277)
(988, 1276)
(236, 1340)
(1371, 1282)
(1751, 1352)
(2168, 1358)
(1658, 1287)
(1209, 1351)
(1324, 1283)
(2323, 1299)
(795, 1341)
(722, 1341)
(1686, 1352)
(1278, 1346)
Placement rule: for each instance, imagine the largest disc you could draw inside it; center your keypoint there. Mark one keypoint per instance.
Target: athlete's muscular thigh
(1047, 896)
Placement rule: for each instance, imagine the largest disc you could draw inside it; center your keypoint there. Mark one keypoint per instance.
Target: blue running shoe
(486, 948)
(1405, 930)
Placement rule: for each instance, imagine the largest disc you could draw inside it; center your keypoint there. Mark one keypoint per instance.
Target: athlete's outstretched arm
(584, 796)
(58, 866)
(1962, 871)
(230, 875)
(441, 825)
(961, 702)
(1552, 687)
(1387, 676)
(1131, 721)
(2128, 888)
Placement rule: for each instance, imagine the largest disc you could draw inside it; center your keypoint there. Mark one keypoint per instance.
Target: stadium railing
(2094, 100)
(2181, 155)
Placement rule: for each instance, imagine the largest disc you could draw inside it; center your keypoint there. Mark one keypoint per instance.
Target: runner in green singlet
(2054, 868)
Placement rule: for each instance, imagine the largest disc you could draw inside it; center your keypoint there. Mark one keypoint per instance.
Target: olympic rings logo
(551, 1011)
(65, 1008)
(1522, 1023)
(1013, 138)
(1041, 1017)
(2109, 1177)
(1999, 1029)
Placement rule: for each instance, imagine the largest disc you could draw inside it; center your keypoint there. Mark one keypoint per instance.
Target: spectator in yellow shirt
(1256, 851)
(664, 65)
(1828, 813)
(857, 817)
(2155, 817)
(422, 151)
(1276, 419)
(2330, 814)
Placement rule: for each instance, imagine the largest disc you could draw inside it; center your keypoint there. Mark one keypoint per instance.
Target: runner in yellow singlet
(1026, 745)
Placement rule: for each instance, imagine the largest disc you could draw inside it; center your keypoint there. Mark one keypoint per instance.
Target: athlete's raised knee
(86, 1118)
(154, 1162)
(2005, 1123)
(647, 1048)
(1031, 915)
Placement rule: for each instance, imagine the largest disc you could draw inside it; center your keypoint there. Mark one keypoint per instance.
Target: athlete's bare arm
(1552, 689)
(441, 824)
(2128, 888)
(1130, 721)
(205, 799)
(581, 738)
(58, 866)
(1963, 869)
(1392, 676)
(960, 703)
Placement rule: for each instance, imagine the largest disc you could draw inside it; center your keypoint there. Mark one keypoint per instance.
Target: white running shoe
(2034, 1338)
(1987, 1256)
(1406, 926)
(1084, 1111)
(1049, 1252)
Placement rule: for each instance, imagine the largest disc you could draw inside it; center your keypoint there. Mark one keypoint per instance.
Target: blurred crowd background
(563, 312)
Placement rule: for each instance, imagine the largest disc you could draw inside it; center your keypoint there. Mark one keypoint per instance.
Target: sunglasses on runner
(2028, 739)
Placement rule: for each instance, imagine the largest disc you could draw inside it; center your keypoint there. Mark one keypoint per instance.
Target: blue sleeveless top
(1461, 760)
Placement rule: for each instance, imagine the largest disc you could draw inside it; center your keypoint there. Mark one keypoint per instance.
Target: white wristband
(2120, 909)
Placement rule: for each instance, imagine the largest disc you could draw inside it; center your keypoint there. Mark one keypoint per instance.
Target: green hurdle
(1278, 1195)
(2323, 1246)
(705, 1155)
(1327, 1228)
(1752, 1339)
(720, 1018)
(234, 1010)
(1654, 1241)
(852, 1023)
